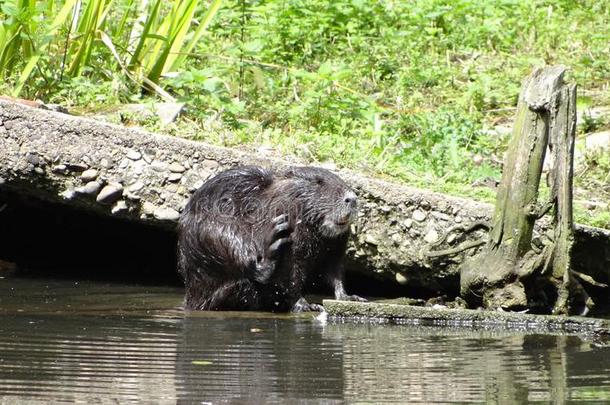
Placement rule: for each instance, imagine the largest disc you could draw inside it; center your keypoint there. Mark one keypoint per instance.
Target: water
(95, 342)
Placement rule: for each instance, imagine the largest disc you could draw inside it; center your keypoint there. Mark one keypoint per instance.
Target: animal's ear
(288, 173)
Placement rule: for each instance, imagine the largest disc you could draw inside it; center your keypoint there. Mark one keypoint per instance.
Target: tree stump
(509, 273)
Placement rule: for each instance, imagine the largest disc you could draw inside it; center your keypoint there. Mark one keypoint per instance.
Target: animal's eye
(319, 180)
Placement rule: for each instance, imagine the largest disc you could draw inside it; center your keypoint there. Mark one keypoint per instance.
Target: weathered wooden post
(509, 273)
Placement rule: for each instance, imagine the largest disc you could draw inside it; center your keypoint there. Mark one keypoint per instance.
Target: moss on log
(466, 318)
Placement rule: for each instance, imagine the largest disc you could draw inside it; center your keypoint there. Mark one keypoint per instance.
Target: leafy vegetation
(80, 41)
(411, 90)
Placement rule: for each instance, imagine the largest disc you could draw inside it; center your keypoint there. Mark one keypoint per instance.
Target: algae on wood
(467, 318)
(509, 272)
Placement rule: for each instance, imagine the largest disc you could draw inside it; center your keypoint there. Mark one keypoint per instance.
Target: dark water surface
(94, 342)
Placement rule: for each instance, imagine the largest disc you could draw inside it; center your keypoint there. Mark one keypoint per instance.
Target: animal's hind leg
(234, 296)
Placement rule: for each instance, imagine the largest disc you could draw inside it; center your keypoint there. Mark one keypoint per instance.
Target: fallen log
(379, 311)
(147, 178)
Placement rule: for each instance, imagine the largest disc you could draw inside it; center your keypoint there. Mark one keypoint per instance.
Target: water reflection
(93, 342)
(383, 363)
(86, 358)
(257, 361)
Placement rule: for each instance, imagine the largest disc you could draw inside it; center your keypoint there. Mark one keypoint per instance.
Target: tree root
(588, 279)
(456, 250)
(572, 298)
(465, 230)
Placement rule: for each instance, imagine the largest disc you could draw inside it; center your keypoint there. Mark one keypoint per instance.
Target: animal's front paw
(280, 237)
(303, 306)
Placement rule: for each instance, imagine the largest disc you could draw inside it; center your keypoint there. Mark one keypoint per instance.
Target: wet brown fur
(251, 238)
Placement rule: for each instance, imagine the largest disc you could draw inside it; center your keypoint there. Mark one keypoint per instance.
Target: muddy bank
(146, 179)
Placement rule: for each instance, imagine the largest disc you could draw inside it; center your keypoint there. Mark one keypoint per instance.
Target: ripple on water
(83, 345)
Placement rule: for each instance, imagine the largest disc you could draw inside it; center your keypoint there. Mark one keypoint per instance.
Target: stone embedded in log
(90, 188)
(174, 177)
(89, 175)
(166, 214)
(110, 193)
(176, 168)
(119, 208)
(133, 154)
(392, 223)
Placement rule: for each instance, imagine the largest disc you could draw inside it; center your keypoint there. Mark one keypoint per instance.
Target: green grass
(403, 89)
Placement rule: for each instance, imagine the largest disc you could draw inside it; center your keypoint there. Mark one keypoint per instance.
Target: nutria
(252, 239)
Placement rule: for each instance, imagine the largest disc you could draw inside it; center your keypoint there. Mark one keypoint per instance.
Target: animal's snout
(350, 199)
